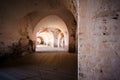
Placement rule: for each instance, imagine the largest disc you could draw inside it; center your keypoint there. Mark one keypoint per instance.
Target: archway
(52, 34)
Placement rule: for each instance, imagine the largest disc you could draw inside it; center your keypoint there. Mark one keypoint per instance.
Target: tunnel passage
(23, 21)
(56, 31)
(20, 19)
(51, 34)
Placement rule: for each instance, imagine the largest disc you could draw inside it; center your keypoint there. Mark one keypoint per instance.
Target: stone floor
(40, 66)
(49, 48)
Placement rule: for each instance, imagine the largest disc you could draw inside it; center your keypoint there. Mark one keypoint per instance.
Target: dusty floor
(40, 66)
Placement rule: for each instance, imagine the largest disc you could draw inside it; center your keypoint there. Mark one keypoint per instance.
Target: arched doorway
(51, 34)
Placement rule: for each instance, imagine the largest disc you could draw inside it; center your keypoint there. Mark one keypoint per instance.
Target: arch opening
(51, 34)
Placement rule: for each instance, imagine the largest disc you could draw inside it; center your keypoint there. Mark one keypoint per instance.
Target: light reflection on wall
(45, 38)
(51, 34)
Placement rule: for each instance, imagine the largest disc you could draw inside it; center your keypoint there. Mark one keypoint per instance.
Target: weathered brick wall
(99, 40)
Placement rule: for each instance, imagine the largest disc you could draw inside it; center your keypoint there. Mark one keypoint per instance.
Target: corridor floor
(40, 66)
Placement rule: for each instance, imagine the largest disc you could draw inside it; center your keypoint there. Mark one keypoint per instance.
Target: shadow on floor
(40, 66)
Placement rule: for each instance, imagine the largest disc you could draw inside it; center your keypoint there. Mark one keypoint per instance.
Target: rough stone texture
(72, 6)
(99, 36)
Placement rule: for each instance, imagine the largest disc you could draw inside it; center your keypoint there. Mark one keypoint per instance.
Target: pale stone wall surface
(99, 40)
